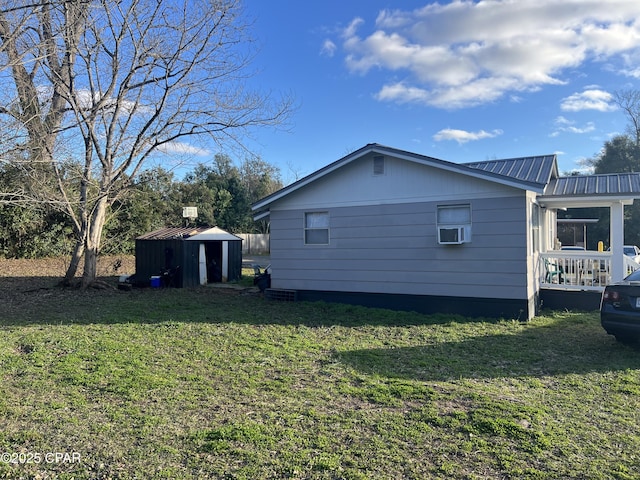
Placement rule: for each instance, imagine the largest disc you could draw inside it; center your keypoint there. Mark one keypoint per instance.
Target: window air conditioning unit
(454, 235)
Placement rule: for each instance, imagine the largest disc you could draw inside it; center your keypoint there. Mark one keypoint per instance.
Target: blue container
(155, 282)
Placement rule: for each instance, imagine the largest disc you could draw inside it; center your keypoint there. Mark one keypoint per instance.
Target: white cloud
(86, 100)
(590, 99)
(466, 53)
(589, 127)
(563, 124)
(350, 31)
(181, 148)
(462, 136)
(633, 72)
(402, 93)
(328, 48)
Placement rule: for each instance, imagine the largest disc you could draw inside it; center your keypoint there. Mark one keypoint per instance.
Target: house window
(316, 228)
(454, 224)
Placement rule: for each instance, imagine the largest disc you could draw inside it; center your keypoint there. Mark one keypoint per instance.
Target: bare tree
(629, 102)
(117, 83)
(38, 45)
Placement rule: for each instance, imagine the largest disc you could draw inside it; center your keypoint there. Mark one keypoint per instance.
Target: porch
(575, 280)
(579, 270)
(573, 273)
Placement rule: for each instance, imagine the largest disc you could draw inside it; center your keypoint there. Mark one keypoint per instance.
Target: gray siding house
(389, 228)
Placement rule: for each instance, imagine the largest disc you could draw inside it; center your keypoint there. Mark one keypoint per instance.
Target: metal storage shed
(187, 257)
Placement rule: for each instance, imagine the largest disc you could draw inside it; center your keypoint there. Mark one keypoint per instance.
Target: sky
(461, 81)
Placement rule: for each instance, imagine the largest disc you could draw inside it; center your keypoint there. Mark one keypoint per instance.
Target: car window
(634, 276)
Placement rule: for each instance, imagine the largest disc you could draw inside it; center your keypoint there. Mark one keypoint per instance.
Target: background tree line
(222, 191)
(114, 85)
(95, 90)
(620, 154)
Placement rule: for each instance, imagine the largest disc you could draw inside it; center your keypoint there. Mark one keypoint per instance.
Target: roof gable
(530, 173)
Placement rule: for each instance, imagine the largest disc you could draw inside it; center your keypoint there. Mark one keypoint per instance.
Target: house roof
(591, 190)
(189, 233)
(537, 170)
(534, 173)
(607, 184)
(530, 173)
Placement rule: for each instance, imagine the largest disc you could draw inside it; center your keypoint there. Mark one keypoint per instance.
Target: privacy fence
(254, 243)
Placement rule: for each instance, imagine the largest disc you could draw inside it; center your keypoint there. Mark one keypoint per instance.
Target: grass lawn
(214, 383)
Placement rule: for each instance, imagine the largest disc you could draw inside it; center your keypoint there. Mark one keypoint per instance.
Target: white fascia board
(261, 215)
(583, 201)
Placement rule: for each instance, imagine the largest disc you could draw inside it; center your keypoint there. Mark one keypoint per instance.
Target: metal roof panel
(172, 233)
(538, 169)
(604, 184)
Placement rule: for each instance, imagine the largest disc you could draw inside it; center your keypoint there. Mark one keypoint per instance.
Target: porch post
(616, 228)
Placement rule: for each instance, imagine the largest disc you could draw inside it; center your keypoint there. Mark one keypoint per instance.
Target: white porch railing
(577, 270)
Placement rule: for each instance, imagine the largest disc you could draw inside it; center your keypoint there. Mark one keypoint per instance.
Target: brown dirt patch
(33, 285)
(56, 267)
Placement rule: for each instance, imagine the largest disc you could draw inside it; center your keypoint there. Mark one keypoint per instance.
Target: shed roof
(171, 233)
(189, 233)
(214, 233)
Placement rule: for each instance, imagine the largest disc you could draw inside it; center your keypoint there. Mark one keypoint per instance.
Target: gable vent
(378, 165)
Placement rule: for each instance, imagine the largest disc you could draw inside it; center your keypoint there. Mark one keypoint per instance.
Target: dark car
(620, 309)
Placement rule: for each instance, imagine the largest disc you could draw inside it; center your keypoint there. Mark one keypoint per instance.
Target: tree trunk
(92, 243)
(81, 228)
(76, 256)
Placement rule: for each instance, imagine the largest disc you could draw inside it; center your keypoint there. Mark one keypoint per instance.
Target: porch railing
(578, 270)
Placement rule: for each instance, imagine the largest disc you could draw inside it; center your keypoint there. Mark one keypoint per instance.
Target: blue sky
(460, 81)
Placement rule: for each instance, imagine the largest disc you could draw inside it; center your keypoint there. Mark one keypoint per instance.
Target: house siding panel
(403, 182)
(392, 248)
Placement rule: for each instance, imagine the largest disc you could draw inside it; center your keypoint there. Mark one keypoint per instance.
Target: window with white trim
(454, 224)
(316, 228)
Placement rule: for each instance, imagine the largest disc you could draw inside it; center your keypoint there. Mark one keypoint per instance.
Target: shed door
(202, 265)
(213, 251)
(225, 261)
